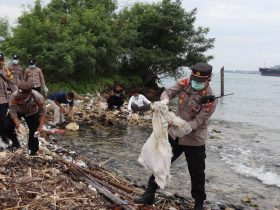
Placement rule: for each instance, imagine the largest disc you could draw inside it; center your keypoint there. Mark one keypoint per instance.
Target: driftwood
(78, 171)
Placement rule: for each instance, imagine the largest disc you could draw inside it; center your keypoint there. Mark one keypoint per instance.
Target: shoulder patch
(183, 82)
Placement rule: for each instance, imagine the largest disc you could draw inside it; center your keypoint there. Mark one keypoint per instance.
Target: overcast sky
(247, 32)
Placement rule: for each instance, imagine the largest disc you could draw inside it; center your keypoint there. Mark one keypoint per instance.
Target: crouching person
(30, 105)
(58, 98)
(138, 102)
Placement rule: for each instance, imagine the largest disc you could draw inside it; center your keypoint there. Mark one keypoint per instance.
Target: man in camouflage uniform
(192, 145)
(17, 73)
(30, 105)
(5, 78)
(35, 76)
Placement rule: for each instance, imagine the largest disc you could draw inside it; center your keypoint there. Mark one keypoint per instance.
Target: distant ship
(272, 71)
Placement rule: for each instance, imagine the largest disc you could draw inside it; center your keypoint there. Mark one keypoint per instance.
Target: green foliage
(159, 38)
(71, 40)
(4, 29)
(101, 84)
(87, 40)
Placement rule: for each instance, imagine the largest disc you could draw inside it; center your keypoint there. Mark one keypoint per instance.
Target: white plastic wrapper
(72, 126)
(156, 153)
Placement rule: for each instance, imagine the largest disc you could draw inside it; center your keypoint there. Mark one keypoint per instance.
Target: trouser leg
(10, 131)
(195, 157)
(115, 101)
(33, 124)
(111, 101)
(145, 107)
(3, 117)
(134, 107)
(119, 102)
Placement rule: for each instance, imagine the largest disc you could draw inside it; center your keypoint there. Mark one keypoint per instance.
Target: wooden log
(78, 171)
(222, 82)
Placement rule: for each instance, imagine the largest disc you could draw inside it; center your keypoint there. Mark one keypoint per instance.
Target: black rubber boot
(148, 198)
(198, 205)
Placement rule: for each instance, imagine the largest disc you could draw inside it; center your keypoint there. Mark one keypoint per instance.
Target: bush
(100, 84)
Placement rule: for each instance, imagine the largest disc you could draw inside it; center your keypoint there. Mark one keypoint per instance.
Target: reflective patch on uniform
(182, 98)
(208, 107)
(183, 82)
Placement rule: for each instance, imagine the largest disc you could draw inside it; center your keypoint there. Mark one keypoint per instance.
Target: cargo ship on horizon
(272, 71)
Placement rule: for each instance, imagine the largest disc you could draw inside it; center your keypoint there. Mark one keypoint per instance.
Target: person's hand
(46, 89)
(40, 129)
(62, 110)
(164, 101)
(17, 126)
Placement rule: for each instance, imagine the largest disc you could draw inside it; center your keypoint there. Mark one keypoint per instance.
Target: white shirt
(139, 100)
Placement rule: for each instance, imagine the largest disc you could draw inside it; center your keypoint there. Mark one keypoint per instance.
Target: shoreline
(93, 115)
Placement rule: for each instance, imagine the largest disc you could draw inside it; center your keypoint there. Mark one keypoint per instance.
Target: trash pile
(58, 178)
(93, 110)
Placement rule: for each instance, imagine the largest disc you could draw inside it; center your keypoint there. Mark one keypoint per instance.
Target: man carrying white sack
(196, 111)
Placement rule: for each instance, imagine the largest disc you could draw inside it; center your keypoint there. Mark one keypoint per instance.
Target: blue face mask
(32, 66)
(197, 85)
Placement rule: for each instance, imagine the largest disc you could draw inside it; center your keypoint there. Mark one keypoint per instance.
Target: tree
(159, 38)
(81, 40)
(4, 29)
(70, 39)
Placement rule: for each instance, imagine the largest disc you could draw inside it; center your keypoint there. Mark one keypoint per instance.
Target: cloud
(241, 13)
(10, 12)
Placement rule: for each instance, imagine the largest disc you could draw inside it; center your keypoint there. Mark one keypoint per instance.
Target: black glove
(207, 99)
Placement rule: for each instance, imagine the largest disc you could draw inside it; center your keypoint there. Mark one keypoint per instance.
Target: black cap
(201, 72)
(32, 61)
(24, 87)
(1, 56)
(15, 57)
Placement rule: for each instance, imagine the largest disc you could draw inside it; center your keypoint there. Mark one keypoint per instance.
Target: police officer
(193, 144)
(58, 98)
(35, 76)
(30, 105)
(16, 71)
(5, 78)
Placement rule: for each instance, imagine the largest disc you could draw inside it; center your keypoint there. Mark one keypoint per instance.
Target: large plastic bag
(156, 153)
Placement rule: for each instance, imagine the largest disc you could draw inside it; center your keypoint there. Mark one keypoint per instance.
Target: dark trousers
(195, 156)
(137, 108)
(32, 123)
(115, 101)
(3, 117)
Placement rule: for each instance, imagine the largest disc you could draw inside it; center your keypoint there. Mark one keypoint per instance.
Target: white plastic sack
(23, 133)
(72, 126)
(156, 153)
